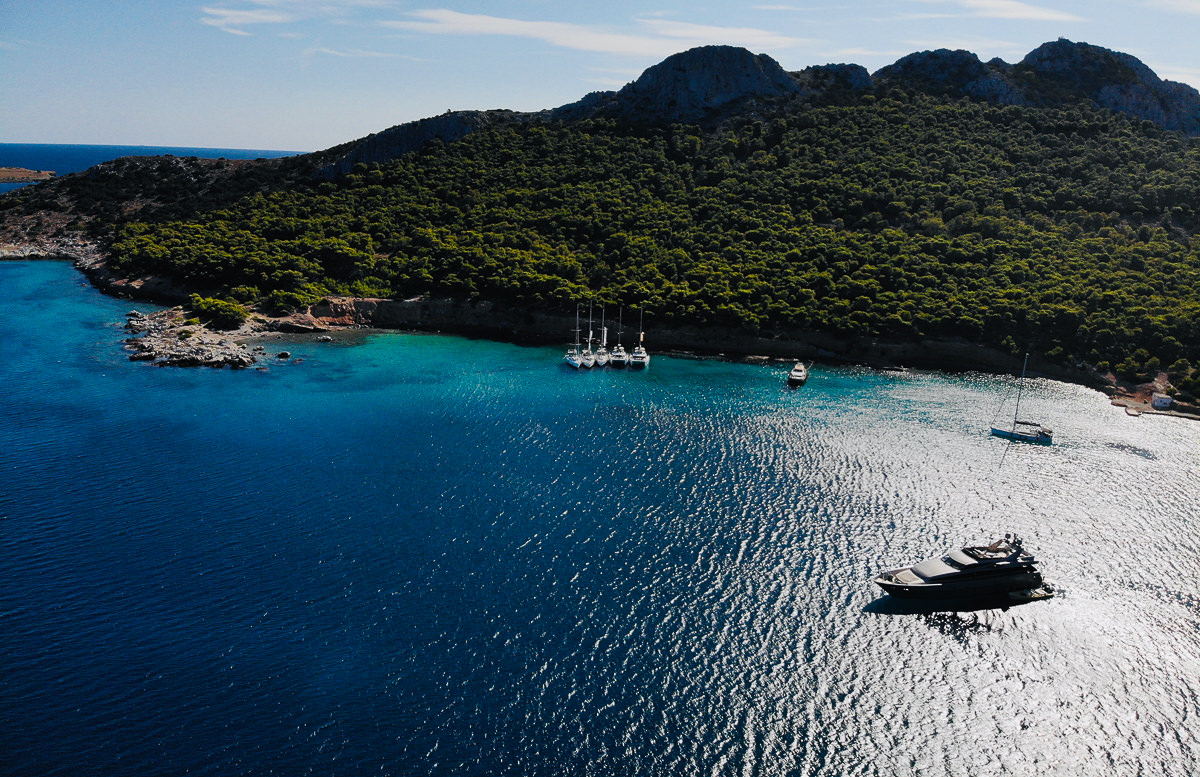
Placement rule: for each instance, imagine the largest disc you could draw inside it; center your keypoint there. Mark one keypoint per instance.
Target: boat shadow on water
(893, 605)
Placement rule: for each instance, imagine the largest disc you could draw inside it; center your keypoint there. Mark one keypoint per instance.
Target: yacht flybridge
(1002, 570)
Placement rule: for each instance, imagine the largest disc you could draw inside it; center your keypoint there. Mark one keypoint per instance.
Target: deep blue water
(63, 159)
(413, 554)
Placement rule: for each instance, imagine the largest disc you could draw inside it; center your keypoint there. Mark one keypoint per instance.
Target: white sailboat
(573, 357)
(619, 356)
(602, 354)
(640, 358)
(1025, 431)
(588, 357)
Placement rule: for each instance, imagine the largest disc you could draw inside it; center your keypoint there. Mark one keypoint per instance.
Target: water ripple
(436, 556)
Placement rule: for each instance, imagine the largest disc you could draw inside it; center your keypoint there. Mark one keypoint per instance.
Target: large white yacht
(974, 572)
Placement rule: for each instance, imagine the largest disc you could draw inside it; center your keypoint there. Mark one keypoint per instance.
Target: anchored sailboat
(602, 355)
(640, 358)
(1025, 431)
(573, 357)
(619, 357)
(588, 357)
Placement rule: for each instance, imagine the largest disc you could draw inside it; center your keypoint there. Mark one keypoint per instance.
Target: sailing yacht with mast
(573, 357)
(1025, 431)
(619, 357)
(588, 357)
(602, 355)
(640, 358)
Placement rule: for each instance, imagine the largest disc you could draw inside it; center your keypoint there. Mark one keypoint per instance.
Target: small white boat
(798, 375)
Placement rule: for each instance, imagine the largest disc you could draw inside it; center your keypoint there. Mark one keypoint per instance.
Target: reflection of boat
(1024, 431)
(798, 375)
(640, 358)
(573, 357)
(974, 572)
(619, 357)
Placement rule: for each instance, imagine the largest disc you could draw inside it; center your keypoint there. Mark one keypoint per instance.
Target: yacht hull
(998, 586)
(1038, 438)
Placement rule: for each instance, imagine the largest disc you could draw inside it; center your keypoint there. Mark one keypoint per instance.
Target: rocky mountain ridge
(705, 84)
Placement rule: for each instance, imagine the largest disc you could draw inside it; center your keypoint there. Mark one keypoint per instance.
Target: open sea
(413, 554)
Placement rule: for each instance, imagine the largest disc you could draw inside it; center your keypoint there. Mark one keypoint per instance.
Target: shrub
(221, 314)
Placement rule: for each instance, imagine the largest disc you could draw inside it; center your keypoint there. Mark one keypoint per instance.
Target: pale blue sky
(308, 74)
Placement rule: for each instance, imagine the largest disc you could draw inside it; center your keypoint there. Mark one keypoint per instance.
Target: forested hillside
(1070, 232)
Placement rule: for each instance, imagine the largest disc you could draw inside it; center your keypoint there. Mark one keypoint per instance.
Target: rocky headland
(22, 175)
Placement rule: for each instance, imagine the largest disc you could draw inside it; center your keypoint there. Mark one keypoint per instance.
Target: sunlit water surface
(414, 554)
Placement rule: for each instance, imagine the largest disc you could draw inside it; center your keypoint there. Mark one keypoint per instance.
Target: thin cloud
(354, 53)
(1178, 6)
(234, 20)
(665, 36)
(1009, 9)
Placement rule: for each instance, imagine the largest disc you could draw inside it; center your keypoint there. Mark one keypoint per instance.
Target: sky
(303, 75)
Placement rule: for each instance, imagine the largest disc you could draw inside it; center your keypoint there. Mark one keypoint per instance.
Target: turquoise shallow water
(416, 554)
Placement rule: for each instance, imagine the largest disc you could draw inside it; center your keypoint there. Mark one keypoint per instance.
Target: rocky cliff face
(706, 82)
(953, 73)
(690, 85)
(1053, 74)
(1111, 80)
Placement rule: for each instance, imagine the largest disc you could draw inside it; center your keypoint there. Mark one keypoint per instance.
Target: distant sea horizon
(64, 158)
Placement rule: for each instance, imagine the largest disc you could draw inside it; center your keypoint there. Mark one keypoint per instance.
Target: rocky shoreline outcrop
(169, 339)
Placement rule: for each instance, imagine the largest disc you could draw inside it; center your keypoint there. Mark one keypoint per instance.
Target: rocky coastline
(171, 338)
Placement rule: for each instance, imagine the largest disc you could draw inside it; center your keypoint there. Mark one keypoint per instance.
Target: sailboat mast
(577, 327)
(1020, 385)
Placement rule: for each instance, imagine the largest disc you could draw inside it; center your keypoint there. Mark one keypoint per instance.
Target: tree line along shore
(881, 217)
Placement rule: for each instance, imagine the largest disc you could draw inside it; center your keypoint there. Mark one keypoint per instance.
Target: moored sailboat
(619, 356)
(602, 354)
(640, 358)
(573, 357)
(588, 357)
(1024, 431)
